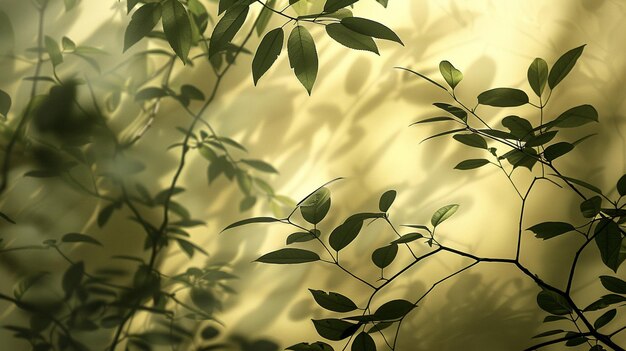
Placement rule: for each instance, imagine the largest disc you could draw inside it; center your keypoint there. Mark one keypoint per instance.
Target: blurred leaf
(538, 75)
(209, 333)
(334, 329)
(227, 27)
(547, 230)
(333, 301)
(503, 97)
(363, 342)
(383, 256)
(204, 299)
(68, 44)
(70, 4)
(260, 165)
(141, 24)
(79, 238)
(433, 119)
(303, 56)
(27, 282)
(386, 200)
(351, 39)
(73, 277)
(268, 51)
(247, 203)
(105, 214)
(6, 218)
(553, 303)
(370, 28)
(52, 47)
(443, 213)
(452, 75)
(5, 103)
(150, 93)
(289, 256)
(394, 309)
(471, 164)
(265, 16)
(621, 185)
(191, 92)
(563, 66)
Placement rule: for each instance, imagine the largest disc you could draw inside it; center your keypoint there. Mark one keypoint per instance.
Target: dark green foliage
(384, 256)
(335, 329)
(289, 256)
(503, 97)
(547, 230)
(351, 39)
(141, 23)
(303, 56)
(333, 301)
(386, 200)
(267, 53)
(563, 66)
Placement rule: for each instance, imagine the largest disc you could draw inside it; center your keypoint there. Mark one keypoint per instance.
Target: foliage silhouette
(526, 146)
(70, 138)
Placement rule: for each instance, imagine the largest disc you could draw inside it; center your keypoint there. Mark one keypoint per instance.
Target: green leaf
(316, 346)
(591, 207)
(334, 5)
(267, 53)
(68, 44)
(5, 103)
(303, 57)
(575, 117)
(177, 28)
(443, 213)
(227, 27)
(525, 158)
(608, 238)
(498, 133)
(344, 234)
(554, 319)
(333, 301)
(79, 238)
(72, 278)
(604, 319)
(334, 329)
(473, 140)
(260, 165)
(70, 4)
(407, 238)
(564, 65)
(251, 221)
(443, 133)
(581, 183)
(394, 309)
(613, 284)
(386, 200)
(265, 16)
(225, 5)
(384, 256)
(150, 93)
(351, 39)
(471, 164)
(604, 302)
(538, 75)
(247, 203)
(130, 4)
(141, 23)
(289, 256)
(452, 75)
(301, 237)
(549, 333)
(433, 119)
(557, 150)
(105, 214)
(503, 97)
(315, 206)
(553, 303)
(191, 92)
(370, 28)
(519, 127)
(548, 230)
(204, 299)
(540, 139)
(52, 47)
(363, 342)
(453, 110)
(621, 185)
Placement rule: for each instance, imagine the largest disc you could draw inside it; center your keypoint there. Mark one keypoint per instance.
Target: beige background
(355, 126)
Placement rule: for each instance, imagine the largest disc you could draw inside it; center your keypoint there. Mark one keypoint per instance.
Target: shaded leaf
(79, 238)
(563, 66)
(519, 127)
(452, 75)
(303, 57)
(538, 75)
(382, 257)
(268, 51)
(443, 213)
(608, 238)
(407, 238)
(575, 117)
(252, 220)
(547, 230)
(433, 119)
(370, 28)
(301, 237)
(394, 309)
(453, 110)
(503, 97)
(334, 5)
(557, 150)
(473, 140)
(260, 165)
(141, 23)
(471, 164)
(5, 103)
(227, 27)
(333, 301)
(334, 329)
(591, 207)
(540, 139)
(72, 278)
(553, 303)
(52, 47)
(386, 200)
(344, 234)
(289, 256)
(363, 342)
(423, 77)
(605, 318)
(613, 284)
(351, 39)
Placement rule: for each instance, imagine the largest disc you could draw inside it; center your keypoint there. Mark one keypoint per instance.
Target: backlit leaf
(303, 57)
(452, 75)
